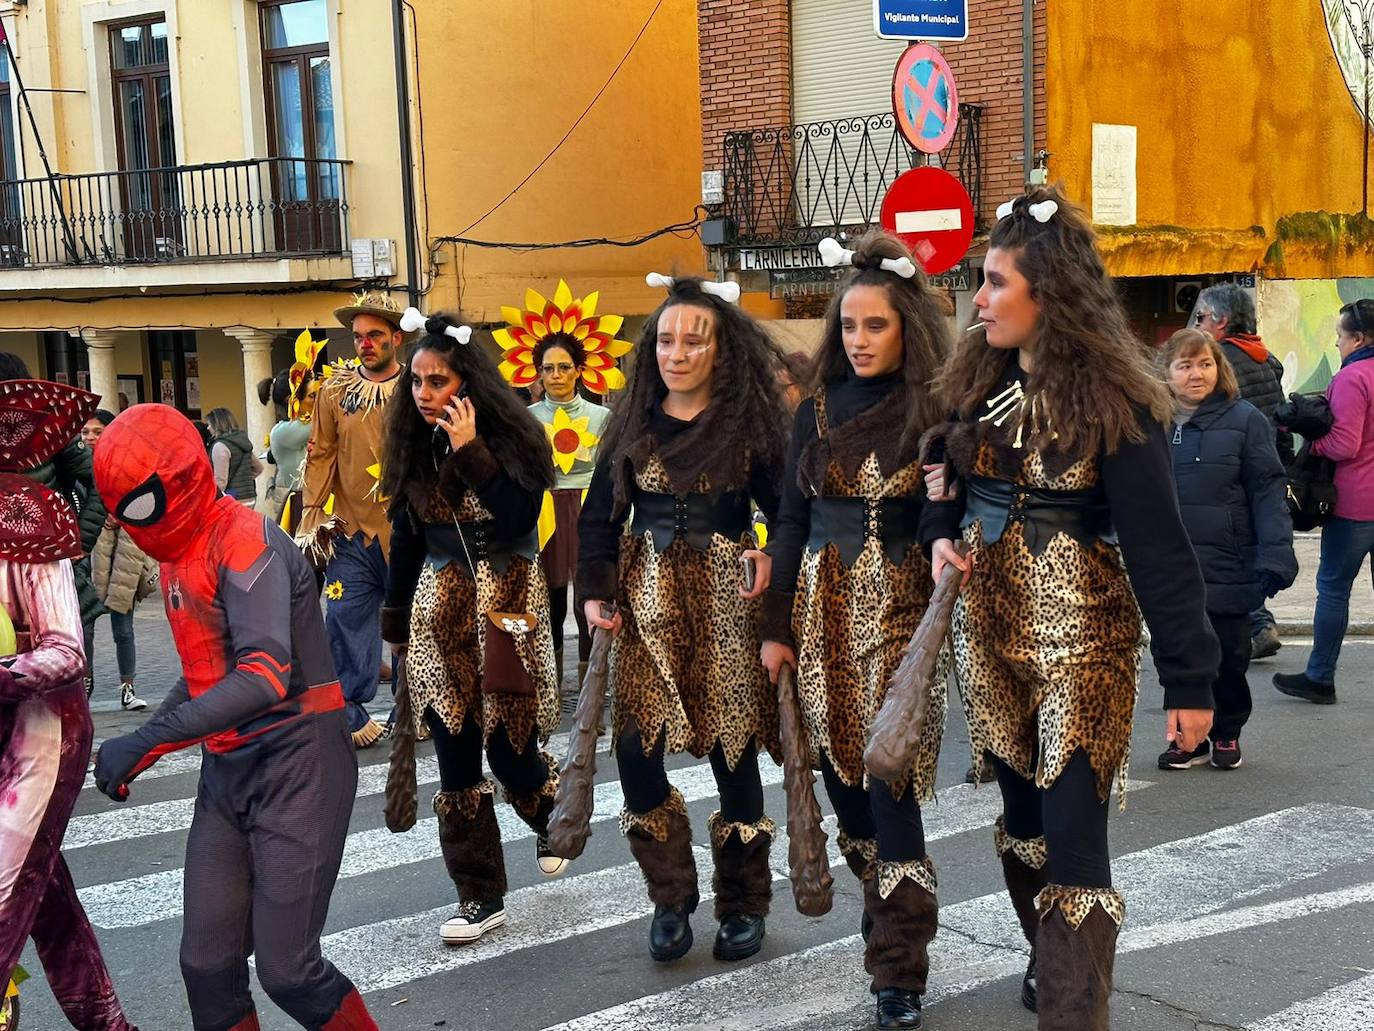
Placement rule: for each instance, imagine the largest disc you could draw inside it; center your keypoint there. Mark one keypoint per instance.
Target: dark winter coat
(1231, 495)
(71, 475)
(1259, 374)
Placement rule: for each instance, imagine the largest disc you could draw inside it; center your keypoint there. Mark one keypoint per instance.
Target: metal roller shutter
(840, 68)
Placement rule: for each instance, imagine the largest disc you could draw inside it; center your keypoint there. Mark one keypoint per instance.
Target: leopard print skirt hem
(656, 822)
(1077, 903)
(687, 660)
(448, 628)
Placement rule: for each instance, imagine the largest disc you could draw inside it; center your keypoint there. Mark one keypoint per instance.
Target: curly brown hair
(925, 332)
(743, 426)
(1090, 371)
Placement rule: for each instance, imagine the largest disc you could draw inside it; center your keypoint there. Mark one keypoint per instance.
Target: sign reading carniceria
(770, 259)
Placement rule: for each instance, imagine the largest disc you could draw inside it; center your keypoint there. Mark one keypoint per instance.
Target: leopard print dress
(1047, 647)
(687, 659)
(448, 628)
(852, 625)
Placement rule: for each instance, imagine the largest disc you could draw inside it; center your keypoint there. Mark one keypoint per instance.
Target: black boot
(661, 842)
(898, 1008)
(743, 884)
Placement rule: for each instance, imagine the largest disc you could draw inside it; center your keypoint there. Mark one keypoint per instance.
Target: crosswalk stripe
(1347, 1007)
(564, 908)
(1257, 855)
(144, 899)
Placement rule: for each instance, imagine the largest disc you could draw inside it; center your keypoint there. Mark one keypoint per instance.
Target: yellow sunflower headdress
(303, 380)
(565, 315)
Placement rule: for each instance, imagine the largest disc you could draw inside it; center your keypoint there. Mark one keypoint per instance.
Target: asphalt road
(1250, 896)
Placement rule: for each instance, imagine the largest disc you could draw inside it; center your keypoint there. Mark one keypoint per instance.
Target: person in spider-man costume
(259, 694)
(45, 724)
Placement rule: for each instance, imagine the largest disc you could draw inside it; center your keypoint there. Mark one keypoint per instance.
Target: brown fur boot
(743, 884)
(1023, 868)
(470, 840)
(661, 842)
(900, 898)
(1075, 952)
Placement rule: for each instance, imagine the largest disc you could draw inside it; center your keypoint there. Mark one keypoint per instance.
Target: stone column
(257, 366)
(100, 356)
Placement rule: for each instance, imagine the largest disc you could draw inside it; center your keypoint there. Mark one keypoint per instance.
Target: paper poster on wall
(61, 377)
(192, 392)
(83, 380)
(192, 365)
(167, 374)
(1114, 178)
(130, 390)
(168, 394)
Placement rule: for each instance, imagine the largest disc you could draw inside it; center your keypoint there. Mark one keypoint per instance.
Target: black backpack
(1311, 491)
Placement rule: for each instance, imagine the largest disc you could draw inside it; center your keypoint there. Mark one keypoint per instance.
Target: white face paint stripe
(834, 979)
(929, 221)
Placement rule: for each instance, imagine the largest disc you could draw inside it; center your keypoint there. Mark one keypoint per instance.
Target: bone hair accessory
(413, 320)
(1041, 212)
(833, 253)
(727, 292)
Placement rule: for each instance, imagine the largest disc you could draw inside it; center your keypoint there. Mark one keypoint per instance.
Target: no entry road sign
(924, 98)
(921, 19)
(931, 211)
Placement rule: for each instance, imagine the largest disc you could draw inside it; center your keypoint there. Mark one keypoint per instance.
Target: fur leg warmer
(470, 840)
(900, 898)
(661, 842)
(742, 879)
(1075, 953)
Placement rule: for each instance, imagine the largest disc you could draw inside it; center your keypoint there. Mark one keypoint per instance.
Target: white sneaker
(128, 700)
(472, 920)
(550, 865)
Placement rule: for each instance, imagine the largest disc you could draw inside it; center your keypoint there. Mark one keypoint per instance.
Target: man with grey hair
(1227, 312)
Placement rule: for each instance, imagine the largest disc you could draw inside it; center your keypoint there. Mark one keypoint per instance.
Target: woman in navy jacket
(1231, 494)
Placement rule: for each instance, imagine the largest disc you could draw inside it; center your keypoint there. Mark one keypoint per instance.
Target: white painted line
(968, 952)
(563, 909)
(1347, 1007)
(157, 896)
(930, 221)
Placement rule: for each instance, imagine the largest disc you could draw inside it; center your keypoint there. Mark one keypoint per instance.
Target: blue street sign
(921, 19)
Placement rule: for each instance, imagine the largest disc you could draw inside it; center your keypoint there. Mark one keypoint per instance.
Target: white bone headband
(727, 291)
(833, 253)
(413, 320)
(1041, 212)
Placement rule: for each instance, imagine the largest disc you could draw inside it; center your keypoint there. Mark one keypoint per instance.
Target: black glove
(1271, 583)
(114, 765)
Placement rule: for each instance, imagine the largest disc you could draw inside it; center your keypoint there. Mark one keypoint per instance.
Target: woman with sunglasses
(467, 466)
(1348, 538)
(697, 442)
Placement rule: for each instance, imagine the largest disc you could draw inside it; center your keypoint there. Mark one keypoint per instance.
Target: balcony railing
(795, 184)
(257, 208)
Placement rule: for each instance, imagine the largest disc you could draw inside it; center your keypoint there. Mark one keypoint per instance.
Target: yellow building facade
(227, 172)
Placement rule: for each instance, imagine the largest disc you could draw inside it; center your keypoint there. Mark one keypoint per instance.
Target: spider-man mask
(154, 476)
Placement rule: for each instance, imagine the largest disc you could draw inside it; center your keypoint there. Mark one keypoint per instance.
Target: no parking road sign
(924, 98)
(932, 213)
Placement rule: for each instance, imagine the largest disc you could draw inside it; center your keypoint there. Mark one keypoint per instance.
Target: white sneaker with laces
(472, 920)
(129, 701)
(550, 865)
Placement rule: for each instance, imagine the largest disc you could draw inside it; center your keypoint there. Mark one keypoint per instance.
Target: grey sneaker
(1265, 643)
(129, 701)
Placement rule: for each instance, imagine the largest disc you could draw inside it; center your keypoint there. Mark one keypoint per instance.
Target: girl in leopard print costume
(851, 584)
(467, 466)
(1065, 499)
(698, 437)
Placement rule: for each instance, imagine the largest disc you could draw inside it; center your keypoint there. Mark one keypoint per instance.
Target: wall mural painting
(1297, 320)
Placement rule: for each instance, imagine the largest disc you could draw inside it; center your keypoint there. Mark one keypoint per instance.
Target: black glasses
(1202, 313)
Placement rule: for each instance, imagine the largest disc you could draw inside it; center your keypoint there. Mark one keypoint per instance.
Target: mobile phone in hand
(750, 571)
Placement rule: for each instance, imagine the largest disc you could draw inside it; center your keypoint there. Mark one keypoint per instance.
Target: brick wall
(987, 68)
(746, 68)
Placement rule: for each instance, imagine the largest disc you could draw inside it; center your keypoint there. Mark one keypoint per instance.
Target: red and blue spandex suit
(259, 694)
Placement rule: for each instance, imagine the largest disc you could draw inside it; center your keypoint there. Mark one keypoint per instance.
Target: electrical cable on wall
(683, 230)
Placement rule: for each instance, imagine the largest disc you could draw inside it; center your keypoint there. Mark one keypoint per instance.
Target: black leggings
(644, 779)
(558, 615)
(1068, 813)
(874, 813)
(460, 757)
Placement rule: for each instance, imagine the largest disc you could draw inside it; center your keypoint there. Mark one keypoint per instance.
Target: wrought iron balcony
(795, 184)
(230, 210)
